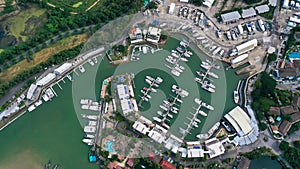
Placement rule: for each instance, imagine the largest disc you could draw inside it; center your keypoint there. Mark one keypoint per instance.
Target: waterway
(54, 130)
(265, 162)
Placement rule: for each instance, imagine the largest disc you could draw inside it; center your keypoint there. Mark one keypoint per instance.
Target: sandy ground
(23, 160)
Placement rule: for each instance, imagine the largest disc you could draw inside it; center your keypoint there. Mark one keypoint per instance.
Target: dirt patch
(42, 56)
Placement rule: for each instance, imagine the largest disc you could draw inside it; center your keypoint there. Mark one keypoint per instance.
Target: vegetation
(297, 144)
(295, 127)
(270, 14)
(9, 7)
(272, 57)
(255, 154)
(284, 146)
(196, 2)
(151, 5)
(292, 156)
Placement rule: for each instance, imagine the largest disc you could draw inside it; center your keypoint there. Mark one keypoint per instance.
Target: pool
(109, 146)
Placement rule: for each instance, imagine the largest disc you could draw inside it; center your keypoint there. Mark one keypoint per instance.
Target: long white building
(63, 68)
(247, 46)
(45, 80)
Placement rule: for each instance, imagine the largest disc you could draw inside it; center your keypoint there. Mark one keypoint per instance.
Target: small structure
(247, 46)
(215, 147)
(184, 1)
(273, 3)
(284, 127)
(63, 69)
(230, 17)
(274, 111)
(244, 163)
(45, 80)
(287, 109)
(130, 162)
(140, 127)
(153, 35)
(247, 13)
(208, 3)
(262, 9)
(166, 165)
(171, 8)
(285, 4)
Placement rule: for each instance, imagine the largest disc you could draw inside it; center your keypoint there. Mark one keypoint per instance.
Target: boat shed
(247, 46)
(31, 91)
(247, 13)
(230, 17)
(63, 68)
(241, 122)
(45, 80)
(262, 9)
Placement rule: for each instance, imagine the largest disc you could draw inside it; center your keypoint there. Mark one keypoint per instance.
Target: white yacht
(91, 62)
(175, 73)
(81, 69)
(189, 52)
(157, 119)
(195, 124)
(207, 106)
(148, 96)
(212, 74)
(198, 101)
(142, 91)
(160, 113)
(197, 120)
(178, 69)
(205, 66)
(175, 55)
(170, 115)
(163, 107)
(184, 59)
(170, 60)
(146, 99)
(148, 81)
(198, 80)
(89, 136)
(202, 113)
(186, 55)
(166, 102)
(95, 59)
(208, 83)
(212, 48)
(236, 97)
(209, 89)
(150, 78)
(87, 141)
(200, 74)
(159, 80)
(153, 90)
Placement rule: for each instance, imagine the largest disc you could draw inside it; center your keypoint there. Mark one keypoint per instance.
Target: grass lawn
(42, 56)
(17, 24)
(77, 4)
(1, 50)
(73, 5)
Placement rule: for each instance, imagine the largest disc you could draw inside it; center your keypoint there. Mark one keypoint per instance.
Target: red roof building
(111, 165)
(166, 165)
(130, 162)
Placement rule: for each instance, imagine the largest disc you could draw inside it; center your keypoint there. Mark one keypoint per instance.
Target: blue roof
(278, 118)
(294, 55)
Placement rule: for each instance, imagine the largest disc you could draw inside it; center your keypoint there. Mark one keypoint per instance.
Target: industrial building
(262, 9)
(153, 35)
(63, 69)
(248, 13)
(239, 120)
(172, 8)
(230, 17)
(247, 46)
(126, 106)
(45, 80)
(140, 127)
(194, 149)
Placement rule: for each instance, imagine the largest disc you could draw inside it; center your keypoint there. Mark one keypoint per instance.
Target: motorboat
(91, 62)
(184, 59)
(179, 49)
(148, 96)
(205, 105)
(175, 55)
(95, 59)
(148, 81)
(195, 124)
(198, 101)
(202, 113)
(81, 69)
(157, 119)
(206, 63)
(197, 80)
(197, 120)
(87, 140)
(207, 88)
(90, 117)
(186, 55)
(180, 101)
(178, 69)
(205, 66)
(175, 87)
(236, 97)
(170, 115)
(175, 73)
(89, 136)
(92, 123)
(166, 102)
(145, 88)
(146, 99)
(165, 125)
(175, 108)
(184, 44)
(153, 90)
(150, 78)
(170, 60)
(200, 74)
(209, 84)
(142, 91)
(212, 74)
(164, 108)
(57, 166)
(155, 85)
(212, 48)
(189, 52)
(160, 113)
(159, 80)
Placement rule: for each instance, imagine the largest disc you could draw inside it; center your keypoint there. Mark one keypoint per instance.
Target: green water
(54, 130)
(265, 162)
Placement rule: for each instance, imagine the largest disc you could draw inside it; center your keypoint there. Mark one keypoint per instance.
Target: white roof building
(231, 16)
(208, 3)
(247, 46)
(153, 34)
(126, 106)
(247, 13)
(215, 147)
(185, 1)
(122, 91)
(239, 120)
(295, 19)
(171, 8)
(285, 4)
(156, 136)
(45, 80)
(273, 3)
(31, 91)
(140, 127)
(63, 68)
(262, 9)
(195, 153)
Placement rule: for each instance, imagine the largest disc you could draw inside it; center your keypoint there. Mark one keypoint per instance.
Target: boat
(178, 69)
(209, 84)
(206, 63)
(236, 97)
(91, 62)
(207, 88)
(222, 52)
(87, 140)
(174, 111)
(175, 73)
(38, 103)
(184, 44)
(153, 90)
(189, 52)
(164, 108)
(165, 125)
(145, 88)
(146, 99)
(148, 96)
(172, 61)
(179, 49)
(155, 85)
(160, 113)
(174, 55)
(195, 124)
(186, 55)
(150, 78)
(143, 166)
(180, 101)
(212, 74)
(89, 136)
(89, 129)
(198, 101)
(81, 69)
(157, 119)
(205, 105)
(184, 59)
(198, 80)
(202, 113)
(148, 81)
(95, 59)
(166, 102)
(170, 115)
(159, 80)
(197, 120)
(212, 48)
(205, 66)
(90, 117)
(200, 74)
(175, 108)
(142, 91)
(92, 123)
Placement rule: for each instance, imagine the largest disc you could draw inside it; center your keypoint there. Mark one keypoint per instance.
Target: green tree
(284, 146)
(272, 57)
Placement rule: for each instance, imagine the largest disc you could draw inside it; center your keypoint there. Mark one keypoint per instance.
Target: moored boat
(202, 113)
(205, 105)
(236, 97)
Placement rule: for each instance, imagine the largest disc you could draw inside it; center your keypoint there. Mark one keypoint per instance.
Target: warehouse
(262, 9)
(63, 68)
(230, 17)
(248, 13)
(45, 80)
(247, 46)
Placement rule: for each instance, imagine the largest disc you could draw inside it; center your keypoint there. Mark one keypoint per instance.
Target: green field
(77, 4)
(1, 50)
(22, 25)
(73, 5)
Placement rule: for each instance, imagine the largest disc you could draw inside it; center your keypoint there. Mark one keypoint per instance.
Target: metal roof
(247, 13)
(231, 16)
(262, 9)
